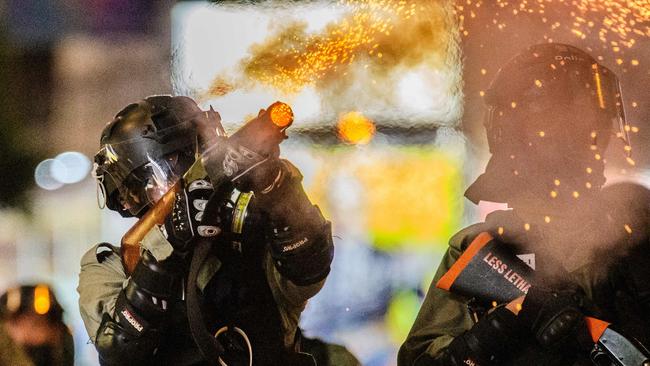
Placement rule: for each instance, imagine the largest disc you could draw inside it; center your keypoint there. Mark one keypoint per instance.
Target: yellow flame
(41, 299)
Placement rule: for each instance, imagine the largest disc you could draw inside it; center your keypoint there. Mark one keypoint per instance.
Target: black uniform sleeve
(132, 334)
(299, 236)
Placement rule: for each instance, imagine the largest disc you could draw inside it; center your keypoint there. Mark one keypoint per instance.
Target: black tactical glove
(635, 270)
(555, 319)
(249, 158)
(184, 223)
(250, 170)
(487, 343)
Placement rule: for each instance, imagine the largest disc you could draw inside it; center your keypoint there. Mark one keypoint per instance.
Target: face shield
(136, 182)
(586, 96)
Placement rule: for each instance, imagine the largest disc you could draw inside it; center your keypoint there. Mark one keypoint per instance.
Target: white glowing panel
(415, 83)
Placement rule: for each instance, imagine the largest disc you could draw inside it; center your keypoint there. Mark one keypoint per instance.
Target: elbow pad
(154, 285)
(487, 343)
(303, 255)
(132, 334)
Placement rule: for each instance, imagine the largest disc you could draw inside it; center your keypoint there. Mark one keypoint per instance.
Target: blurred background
(388, 132)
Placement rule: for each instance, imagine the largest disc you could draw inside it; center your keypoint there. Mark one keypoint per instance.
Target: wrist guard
(487, 342)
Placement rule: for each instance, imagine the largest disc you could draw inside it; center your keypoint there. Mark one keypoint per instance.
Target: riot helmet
(551, 112)
(35, 299)
(145, 150)
(33, 318)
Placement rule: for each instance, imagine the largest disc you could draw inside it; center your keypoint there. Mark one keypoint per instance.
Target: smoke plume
(357, 61)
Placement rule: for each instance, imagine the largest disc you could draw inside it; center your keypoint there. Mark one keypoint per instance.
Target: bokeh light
(73, 167)
(41, 299)
(43, 174)
(355, 128)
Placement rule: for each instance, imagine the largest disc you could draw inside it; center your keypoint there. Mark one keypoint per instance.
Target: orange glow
(370, 39)
(355, 128)
(617, 24)
(281, 114)
(599, 89)
(41, 299)
(294, 58)
(628, 228)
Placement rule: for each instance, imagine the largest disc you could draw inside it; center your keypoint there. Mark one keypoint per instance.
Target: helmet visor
(141, 186)
(553, 88)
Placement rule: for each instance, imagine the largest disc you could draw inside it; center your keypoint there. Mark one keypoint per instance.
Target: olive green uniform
(444, 316)
(102, 277)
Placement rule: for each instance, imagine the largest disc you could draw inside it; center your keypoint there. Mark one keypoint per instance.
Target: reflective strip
(239, 214)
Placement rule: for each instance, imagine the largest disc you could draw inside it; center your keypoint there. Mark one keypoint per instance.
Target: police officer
(551, 111)
(253, 285)
(10, 352)
(33, 319)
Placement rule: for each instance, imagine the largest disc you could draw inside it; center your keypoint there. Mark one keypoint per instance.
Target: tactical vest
(238, 295)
